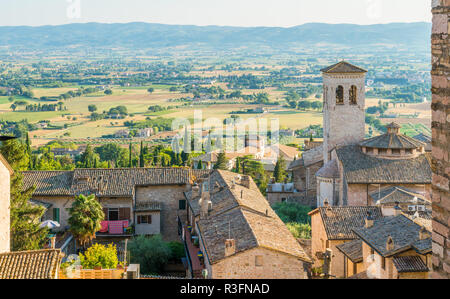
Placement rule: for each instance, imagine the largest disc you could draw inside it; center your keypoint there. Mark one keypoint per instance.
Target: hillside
(145, 35)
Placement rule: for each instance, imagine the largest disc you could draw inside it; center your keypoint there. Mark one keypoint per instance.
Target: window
(353, 95)
(395, 151)
(372, 253)
(383, 263)
(340, 95)
(409, 151)
(56, 214)
(113, 214)
(182, 204)
(144, 219)
(283, 199)
(258, 261)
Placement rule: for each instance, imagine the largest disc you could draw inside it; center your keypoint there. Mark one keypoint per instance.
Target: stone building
(151, 199)
(5, 176)
(332, 227)
(440, 75)
(395, 247)
(355, 171)
(237, 233)
(344, 104)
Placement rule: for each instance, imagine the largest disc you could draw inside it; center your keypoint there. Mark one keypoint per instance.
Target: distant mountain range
(146, 35)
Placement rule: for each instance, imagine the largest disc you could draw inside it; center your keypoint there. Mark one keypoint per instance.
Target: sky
(280, 13)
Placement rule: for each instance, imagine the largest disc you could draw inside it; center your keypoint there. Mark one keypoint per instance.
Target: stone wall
(4, 208)
(274, 265)
(441, 137)
(342, 124)
(168, 197)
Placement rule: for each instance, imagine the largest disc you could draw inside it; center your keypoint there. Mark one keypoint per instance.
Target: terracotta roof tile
(403, 231)
(119, 182)
(352, 250)
(409, 264)
(360, 168)
(343, 67)
(38, 264)
(339, 222)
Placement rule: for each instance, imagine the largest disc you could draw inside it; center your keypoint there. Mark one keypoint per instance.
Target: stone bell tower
(343, 106)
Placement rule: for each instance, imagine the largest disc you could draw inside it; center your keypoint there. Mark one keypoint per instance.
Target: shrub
(151, 253)
(99, 255)
(292, 212)
(177, 250)
(299, 230)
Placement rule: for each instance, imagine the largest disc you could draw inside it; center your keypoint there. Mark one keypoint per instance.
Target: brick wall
(441, 137)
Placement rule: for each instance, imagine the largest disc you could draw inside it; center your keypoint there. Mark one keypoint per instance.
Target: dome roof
(392, 140)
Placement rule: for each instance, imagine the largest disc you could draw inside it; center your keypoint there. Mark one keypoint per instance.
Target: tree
(92, 108)
(109, 152)
(200, 164)
(13, 107)
(222, 162)
(99, 255)
(26, 233)
(151, 90)
(85, 217)
(292, 212)
(88, 158)
(130, 158)
(108, 92)
(279, 172)
(151, 253)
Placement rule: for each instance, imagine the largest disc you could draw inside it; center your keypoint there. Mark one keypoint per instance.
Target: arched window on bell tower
(340, 95)
(353, 95)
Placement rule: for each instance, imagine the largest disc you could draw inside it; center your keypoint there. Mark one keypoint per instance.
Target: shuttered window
(56, 214)
(124, 214)
(144, 219)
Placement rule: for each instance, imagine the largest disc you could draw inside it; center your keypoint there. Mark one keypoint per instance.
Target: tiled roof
(409, 264)
(339, 222)
(225, 195)
(403, 231)
(392, 141)
(423, 138)
(394, 194)
(242, 214)
(360, 168)
(343, 67)
(329, 170)
(352, 250)
(118, 182)
(38, 264)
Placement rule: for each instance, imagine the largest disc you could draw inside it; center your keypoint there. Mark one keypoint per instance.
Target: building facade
(440, 75)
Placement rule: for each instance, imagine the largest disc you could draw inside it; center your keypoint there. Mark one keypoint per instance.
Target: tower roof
(343, 67)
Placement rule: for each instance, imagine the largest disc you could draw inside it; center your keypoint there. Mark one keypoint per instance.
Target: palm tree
(86, 214)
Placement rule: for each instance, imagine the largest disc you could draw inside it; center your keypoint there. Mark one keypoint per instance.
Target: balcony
(119, 228)
(193, 253)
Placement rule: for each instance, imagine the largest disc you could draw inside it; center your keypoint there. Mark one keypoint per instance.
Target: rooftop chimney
(389, 244)
(369, 220)
(424, 234)
(245, 181)
(230, 247)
